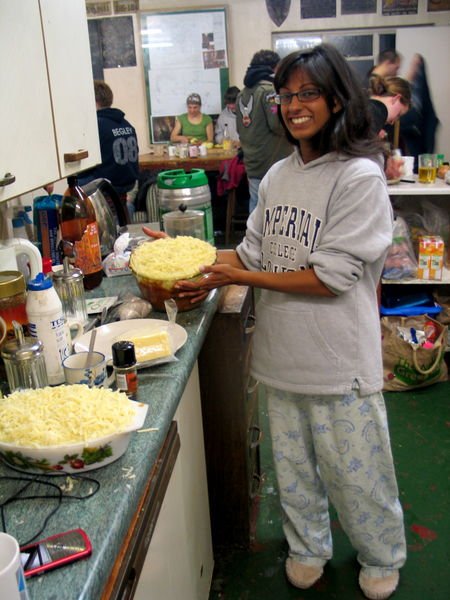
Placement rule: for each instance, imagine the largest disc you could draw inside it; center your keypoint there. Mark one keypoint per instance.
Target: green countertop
(106, 516)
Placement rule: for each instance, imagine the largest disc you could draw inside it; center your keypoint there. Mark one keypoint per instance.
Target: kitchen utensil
(73, 458)
(24, 361)
(184, 222)
(109, 211)
(68, 283)
(108, 334)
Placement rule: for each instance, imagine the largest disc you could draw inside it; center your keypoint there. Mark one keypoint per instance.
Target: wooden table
(211, 162)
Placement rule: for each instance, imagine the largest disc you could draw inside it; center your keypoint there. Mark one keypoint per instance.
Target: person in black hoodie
(119, 147)
(418, 127)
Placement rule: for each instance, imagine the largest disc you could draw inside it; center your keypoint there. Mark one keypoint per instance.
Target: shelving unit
(438, 188)
(428, 190)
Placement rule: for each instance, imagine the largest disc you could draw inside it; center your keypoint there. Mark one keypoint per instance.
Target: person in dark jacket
(260, 132)
(418, 127)
(118, 145)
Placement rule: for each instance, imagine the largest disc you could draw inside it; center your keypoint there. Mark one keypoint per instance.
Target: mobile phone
(55, 551)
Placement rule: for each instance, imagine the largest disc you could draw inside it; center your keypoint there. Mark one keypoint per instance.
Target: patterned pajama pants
(337, 447)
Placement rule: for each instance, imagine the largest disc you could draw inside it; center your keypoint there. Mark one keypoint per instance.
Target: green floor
(419, 426)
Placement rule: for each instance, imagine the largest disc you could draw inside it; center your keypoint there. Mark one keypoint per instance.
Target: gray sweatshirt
(332, 214)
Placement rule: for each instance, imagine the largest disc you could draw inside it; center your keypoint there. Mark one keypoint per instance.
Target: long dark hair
(349, 130)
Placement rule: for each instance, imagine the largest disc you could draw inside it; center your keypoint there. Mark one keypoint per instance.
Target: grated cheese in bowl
(63, 415)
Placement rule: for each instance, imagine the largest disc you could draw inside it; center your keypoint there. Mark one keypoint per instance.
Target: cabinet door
(28, 148)
(71, 84)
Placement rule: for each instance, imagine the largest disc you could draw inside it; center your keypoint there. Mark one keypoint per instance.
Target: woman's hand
(154, 234)
(214, 276)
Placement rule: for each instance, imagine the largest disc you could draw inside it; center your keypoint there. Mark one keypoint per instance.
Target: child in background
(316, 245)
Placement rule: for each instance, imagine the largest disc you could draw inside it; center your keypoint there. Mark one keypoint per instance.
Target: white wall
(249, 29)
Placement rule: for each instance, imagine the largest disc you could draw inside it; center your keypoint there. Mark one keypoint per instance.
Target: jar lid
(29, 348)
(123, 354)
(11, 283)
(65, 275)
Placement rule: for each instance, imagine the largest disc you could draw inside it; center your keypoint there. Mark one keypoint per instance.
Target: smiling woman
(316, 245)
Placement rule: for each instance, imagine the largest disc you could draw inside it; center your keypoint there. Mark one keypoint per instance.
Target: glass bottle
(124, 363)
(226, 138)
(79, 233)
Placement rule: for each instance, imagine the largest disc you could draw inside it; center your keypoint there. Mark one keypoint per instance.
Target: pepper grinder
(24, 361)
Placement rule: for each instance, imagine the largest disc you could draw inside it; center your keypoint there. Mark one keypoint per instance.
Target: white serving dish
(75, 458)
(107, 334)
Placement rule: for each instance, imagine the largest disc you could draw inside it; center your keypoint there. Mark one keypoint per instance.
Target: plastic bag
(130, 306)
(116, 263)
(401, 262)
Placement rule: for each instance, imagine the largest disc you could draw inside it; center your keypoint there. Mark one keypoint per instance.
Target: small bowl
(75, 458)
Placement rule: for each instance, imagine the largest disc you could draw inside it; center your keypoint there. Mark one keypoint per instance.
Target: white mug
(12, 579)
(76, 369)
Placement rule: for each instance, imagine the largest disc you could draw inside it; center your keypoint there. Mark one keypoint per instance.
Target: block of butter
(148, 346)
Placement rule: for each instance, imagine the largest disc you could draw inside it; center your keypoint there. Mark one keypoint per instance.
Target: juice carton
(431, 257)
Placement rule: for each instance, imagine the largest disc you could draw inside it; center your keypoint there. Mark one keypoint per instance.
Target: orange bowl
(156, 292)
(158, 265)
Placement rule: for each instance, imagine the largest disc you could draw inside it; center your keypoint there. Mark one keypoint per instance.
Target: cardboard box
(431, 257)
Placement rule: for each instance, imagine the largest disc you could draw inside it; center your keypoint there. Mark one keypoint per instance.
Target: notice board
(184, 52)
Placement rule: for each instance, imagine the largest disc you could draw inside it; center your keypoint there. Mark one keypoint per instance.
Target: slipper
(301, 575)
(378, 588)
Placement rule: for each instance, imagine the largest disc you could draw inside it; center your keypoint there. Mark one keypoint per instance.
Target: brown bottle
(79, 232)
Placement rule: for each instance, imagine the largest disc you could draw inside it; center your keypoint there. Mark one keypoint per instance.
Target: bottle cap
(46, 265)
(26, 349)
(123, 354)
(17, 222)
(40, 283)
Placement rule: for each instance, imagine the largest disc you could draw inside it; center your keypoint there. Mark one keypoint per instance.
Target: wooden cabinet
(230, 418)
(47, 101)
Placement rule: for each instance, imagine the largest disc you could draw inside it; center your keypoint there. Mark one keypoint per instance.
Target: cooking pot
(110, 212)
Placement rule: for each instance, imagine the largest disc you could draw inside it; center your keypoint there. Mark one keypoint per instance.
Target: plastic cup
(427, 168)
(408, 165)
(12, 579)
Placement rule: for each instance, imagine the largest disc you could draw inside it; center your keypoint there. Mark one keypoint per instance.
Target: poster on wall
(358, 7)
(317, 9)
(435, 5)
(184, 53)
(399, 7)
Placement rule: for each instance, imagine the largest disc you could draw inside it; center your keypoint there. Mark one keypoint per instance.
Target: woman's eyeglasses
(303, 96)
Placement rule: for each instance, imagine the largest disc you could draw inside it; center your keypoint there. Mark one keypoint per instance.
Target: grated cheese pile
(63, 415)
(172, 258)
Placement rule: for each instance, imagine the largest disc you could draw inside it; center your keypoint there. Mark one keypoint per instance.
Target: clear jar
(24, 364)
(13, 299)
